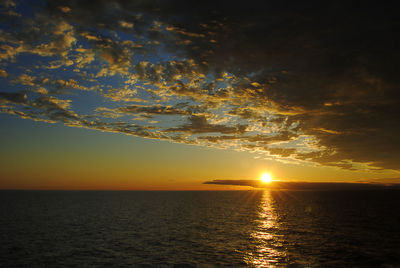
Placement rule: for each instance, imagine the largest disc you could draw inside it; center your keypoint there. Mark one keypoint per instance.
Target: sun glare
(266, 177)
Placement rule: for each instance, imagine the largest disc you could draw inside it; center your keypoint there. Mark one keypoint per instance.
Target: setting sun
(266, 177)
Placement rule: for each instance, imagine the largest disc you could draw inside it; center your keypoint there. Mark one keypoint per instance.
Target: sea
(200, 228)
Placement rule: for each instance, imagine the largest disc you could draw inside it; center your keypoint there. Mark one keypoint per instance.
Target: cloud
(153, 110)
(18, 98)
(126, 24)
(199, 124)
(252, 183)
(255, 75)
(331, 186)
(3, 73)
(302, 58)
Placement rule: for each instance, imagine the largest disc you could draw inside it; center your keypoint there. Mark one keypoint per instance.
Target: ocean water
(234, 228)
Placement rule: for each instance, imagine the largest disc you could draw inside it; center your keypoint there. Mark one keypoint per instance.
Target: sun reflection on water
(268, 248)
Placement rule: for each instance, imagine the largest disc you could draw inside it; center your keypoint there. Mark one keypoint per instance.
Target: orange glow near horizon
(87, 160)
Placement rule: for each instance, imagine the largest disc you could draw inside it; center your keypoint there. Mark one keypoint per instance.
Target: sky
(171, 95)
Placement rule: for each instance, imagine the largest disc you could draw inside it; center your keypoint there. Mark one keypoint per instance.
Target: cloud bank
(282, 185)
(311, 81)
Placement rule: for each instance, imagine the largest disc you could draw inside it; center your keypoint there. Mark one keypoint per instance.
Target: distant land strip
(301, 185)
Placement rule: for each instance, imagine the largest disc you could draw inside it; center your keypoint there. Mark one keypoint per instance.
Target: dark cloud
(48, 109)
(334, 61)
(199, 124)
(54, 108)
(252, 183)
(19, 98)
(271, 71)
(153, 110)
(280, 185)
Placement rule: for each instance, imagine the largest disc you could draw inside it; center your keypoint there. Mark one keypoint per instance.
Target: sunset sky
(166, 95)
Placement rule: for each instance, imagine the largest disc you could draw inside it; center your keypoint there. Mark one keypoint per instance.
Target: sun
(266, 178)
